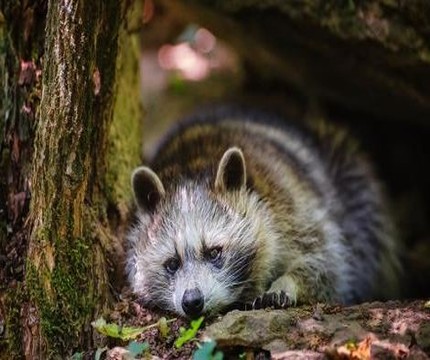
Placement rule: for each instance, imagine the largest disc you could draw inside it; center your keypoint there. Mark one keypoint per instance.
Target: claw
(257, 303)
(273, 300)
(283, 299)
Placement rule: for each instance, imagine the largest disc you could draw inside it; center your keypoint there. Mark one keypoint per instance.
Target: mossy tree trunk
(62, 55)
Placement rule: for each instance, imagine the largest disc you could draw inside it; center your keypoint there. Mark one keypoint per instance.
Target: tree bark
(21, 38)
(70, 168)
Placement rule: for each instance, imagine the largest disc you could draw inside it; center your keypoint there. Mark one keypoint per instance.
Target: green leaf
(163, 328)
(187, 335)
(130, 332)
(205, 352)
(135, 348)
(116, 331)
(218, 356)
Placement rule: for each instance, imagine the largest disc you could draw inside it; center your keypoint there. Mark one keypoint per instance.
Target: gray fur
(287, 210)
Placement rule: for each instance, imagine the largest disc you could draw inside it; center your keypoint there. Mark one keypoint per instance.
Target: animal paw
(275, 300)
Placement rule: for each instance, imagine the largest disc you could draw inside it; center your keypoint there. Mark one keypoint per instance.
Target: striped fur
(305, 215)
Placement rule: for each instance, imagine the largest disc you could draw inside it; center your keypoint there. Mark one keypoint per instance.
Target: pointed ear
(147, 187)
(231, 173)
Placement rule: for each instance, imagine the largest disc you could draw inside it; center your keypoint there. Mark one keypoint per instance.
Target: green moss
(125, 132)
(68, 305)
(10, 343)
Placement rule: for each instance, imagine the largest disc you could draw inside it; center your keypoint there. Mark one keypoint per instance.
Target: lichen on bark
(63, 256)
(126, 131)
(66, 268)
(67, 235)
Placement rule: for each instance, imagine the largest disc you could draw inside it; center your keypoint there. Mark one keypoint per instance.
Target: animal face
(193, 255)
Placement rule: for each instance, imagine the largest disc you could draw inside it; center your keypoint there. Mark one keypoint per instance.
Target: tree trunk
(65, 161)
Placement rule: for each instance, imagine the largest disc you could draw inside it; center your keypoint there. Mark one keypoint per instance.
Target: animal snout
(193, 302)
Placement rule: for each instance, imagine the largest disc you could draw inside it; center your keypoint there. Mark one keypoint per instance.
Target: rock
(373, 330)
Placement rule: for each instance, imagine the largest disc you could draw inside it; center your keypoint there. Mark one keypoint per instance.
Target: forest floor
(390, 330)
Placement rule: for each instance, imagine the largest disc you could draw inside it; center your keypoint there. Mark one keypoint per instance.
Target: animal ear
(231, 173)
(147, 187)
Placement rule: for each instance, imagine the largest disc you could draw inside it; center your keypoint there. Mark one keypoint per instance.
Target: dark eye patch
(172, 265)
(214, 256)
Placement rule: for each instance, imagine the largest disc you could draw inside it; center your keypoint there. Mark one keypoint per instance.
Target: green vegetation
(206, 351)
(186, 335)
(65, 311)
(127, 332)
(136, 349)
(116, 331)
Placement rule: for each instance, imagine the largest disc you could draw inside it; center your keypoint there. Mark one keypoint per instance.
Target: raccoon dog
(240, 207)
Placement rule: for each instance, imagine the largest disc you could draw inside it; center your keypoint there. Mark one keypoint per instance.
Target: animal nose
(192, 302)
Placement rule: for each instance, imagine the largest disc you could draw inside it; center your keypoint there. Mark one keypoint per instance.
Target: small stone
(318, 313)
(118, 353)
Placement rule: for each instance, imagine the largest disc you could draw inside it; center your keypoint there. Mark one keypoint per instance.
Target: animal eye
(214, 254)
(172, 265)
